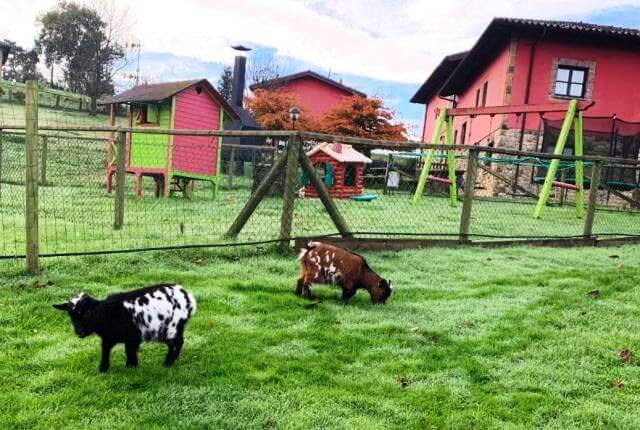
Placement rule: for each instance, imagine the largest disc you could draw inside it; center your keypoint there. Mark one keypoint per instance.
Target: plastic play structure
(340, 167)
(573, 120)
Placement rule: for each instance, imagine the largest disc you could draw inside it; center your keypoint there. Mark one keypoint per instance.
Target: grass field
(471, 338)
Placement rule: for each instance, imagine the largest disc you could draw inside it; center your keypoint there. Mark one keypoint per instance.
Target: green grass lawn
(471, 338)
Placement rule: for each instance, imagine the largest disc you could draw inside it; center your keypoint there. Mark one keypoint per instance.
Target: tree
(270, 108)
(78, 39)
(21, 64)
(225, 83)
(362, 117)
(264, 67)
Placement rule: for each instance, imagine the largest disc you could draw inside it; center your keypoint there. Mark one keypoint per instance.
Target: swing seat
(564, 185)
(439, 180)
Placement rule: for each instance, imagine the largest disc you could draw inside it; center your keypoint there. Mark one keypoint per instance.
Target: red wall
(616, 87)
(315, 97)
(477, 128)
(196, 154)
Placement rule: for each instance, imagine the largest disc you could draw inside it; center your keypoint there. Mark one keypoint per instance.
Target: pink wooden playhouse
(180, 159)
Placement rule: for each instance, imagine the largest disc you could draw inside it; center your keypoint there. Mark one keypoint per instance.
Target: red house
(523, 61)
(340, 167)
(317, 93)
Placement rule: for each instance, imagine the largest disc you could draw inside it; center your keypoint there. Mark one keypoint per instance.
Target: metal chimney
(239, 70)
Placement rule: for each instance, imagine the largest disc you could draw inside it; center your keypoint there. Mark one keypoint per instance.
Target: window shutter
(328, 178)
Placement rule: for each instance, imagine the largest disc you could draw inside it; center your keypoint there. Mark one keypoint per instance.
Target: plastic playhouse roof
(344, 155)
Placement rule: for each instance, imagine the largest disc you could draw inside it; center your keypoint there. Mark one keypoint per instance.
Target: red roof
(340, 152)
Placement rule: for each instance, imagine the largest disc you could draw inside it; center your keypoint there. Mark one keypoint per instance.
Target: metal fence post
(231, 167)
(43, 160)
(593, 197)
(289, 192)
(31, 177)
(467, 198)
(118, 215)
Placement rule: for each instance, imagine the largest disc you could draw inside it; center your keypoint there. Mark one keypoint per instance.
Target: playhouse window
(147, 114)
(463, 133)
(571, 81)
(350, 175)
(321, 172)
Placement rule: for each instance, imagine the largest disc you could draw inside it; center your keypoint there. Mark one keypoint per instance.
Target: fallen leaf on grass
(197, 260)
(311, 305)
(619, 266)
(211, 325)
(463, 324)
(594, 294)
(270, 423)
(511, 257)
(616, 384)
(404, 382)
(414, 329)
(625, 355)
(335, 323)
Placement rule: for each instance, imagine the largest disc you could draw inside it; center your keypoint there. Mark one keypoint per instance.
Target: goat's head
(81, 311)
(381, 292)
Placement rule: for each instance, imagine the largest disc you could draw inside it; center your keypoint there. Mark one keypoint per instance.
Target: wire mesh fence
(188, 188)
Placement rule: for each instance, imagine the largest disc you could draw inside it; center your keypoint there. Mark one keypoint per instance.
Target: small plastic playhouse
(340, 167)
(181, 159)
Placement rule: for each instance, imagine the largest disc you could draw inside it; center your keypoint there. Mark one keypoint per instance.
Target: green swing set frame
(573, 119)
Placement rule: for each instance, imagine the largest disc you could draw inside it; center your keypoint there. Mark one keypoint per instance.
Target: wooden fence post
(467, 199)
(43, 160)
(31, 177)
(288, 191)
(118, 213)
(593, 197)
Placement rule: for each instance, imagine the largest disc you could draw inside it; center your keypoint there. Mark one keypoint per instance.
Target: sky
(385, 48)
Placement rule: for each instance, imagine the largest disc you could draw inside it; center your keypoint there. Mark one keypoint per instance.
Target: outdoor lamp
(294, 113)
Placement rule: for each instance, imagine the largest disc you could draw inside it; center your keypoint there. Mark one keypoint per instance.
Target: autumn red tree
(270, 108)
(362, 117)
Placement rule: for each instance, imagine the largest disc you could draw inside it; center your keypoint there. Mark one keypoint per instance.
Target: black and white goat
(327, 264)
(155, 313)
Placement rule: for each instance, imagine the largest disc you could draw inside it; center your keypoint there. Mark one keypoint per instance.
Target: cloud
(391, 40)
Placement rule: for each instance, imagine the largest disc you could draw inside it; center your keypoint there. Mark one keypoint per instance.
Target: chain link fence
(203, 188)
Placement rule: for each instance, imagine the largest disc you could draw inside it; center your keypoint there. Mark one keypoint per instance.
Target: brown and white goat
(327, 264)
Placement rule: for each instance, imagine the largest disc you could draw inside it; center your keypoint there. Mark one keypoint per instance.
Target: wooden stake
(31, 177)
(289, 191)
(232, 166)
(326, 199)
(121, 156)
(467, 199)
(593, 198)
(43, 160)
(257, 197)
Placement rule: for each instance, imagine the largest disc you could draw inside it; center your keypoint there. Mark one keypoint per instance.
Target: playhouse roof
(157, 92)
(500, 30)
(346, 155)
(273, 83)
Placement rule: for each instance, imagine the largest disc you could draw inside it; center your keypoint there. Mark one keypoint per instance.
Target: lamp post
(294, 114)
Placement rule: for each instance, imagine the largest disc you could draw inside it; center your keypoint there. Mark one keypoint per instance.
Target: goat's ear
(62, 306)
